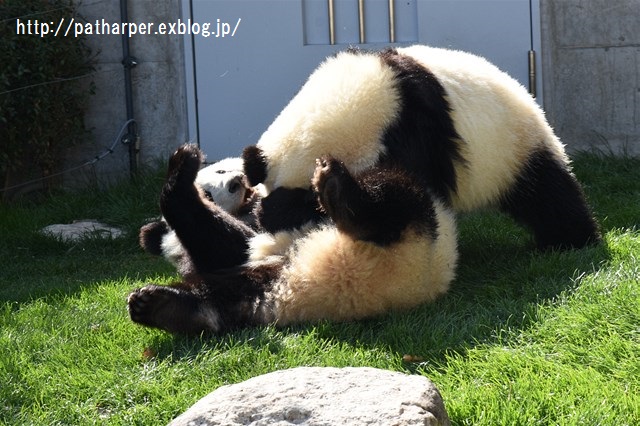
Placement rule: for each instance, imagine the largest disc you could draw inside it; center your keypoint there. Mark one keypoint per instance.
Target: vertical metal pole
(532, 55)
(392, 22)
(332, 29)
(532, 73)
(195, 76)
(131, 138)
(361, 19)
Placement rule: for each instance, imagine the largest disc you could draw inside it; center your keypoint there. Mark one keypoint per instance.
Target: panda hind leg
(175, 309)
(550, 201)
(376, 206)
(214, 303)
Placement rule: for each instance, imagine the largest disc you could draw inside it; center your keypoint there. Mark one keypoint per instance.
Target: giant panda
(385, 243)
(222, 182)
(455, 122)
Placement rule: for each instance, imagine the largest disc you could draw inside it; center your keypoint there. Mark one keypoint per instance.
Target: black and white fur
(385, 244)
(361, 168)
(222, 182)
(456, 123)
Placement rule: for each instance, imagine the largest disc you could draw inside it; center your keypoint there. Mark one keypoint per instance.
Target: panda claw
(323, 162)
(137, 303)
(324, 183)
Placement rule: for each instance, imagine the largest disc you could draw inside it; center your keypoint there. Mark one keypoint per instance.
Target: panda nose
(235, 185)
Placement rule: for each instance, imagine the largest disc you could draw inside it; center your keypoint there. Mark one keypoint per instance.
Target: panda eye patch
(208, 195)
(220, 172)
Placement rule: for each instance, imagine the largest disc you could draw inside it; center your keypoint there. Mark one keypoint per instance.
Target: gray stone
(322, 396)
(81, 229)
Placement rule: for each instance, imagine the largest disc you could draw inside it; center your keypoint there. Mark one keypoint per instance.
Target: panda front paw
(184, 164)
(331, 183)
(179, 192)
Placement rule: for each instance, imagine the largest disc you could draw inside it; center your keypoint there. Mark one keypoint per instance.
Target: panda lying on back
(342, 268)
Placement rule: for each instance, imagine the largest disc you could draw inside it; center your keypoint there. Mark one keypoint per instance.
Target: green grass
(522, 338)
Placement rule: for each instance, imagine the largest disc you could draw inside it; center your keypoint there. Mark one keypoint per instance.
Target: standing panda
(385, 244)
(453, 121)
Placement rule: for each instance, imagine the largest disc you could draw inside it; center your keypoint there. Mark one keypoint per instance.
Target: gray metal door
(259, 52)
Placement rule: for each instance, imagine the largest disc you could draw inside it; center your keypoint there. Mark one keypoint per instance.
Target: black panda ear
(255, 165)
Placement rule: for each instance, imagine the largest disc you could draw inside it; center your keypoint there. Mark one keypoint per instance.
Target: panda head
(342, 110)
(224, 183)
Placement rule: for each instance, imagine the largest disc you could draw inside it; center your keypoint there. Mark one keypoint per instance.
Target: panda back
(342, 110)
(498, 122)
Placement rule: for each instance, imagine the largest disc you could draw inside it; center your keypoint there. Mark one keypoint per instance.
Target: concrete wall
(158, 92)
(591, 66)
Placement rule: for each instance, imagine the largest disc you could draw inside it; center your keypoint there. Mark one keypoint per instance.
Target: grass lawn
(522, 338)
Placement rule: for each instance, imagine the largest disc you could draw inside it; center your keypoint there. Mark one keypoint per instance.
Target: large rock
(321, 396)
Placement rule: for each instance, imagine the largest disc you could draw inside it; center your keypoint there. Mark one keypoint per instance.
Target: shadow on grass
(501, 278)
(34, 266)
(38, 266)
(496, 290)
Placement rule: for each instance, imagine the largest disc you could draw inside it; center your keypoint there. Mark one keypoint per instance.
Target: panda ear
(255, 165)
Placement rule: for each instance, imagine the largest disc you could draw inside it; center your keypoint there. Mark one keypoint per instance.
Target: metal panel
(245, 80)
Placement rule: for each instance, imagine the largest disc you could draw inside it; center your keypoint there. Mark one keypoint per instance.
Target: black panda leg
(175, 309)
(548, 199)
(375, 206)
(218, 302)
(212, 237)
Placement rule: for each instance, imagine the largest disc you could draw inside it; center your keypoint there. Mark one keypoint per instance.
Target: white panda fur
(308, 274)
(224, 182)
(503, 143)
(332, 276)
(496, 117)
(320, 119)
(329, 275)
